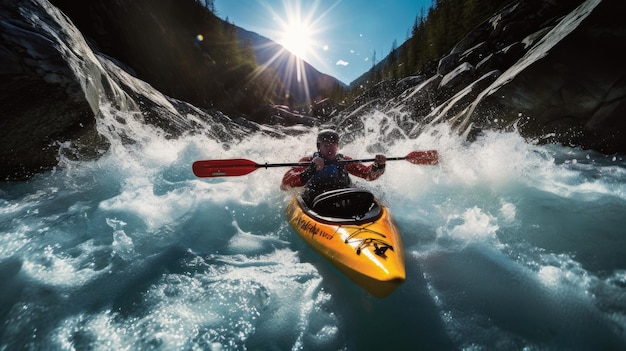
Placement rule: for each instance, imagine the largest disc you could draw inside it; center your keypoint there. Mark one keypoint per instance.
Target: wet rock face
(569, 88)
(41, 102)
(31, 133)
(551, 69)
(54, 86)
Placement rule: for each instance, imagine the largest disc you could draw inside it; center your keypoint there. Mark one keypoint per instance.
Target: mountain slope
(300, 79)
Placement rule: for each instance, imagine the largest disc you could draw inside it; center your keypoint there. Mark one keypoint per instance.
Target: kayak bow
(366, 247)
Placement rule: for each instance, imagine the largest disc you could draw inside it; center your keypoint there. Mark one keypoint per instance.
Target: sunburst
(297, 38)
(299, 30)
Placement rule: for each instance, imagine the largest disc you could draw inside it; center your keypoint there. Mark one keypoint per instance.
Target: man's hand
(380, 159)
(319, 163)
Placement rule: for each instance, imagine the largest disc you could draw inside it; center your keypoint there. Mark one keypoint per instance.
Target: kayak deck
(364, 245)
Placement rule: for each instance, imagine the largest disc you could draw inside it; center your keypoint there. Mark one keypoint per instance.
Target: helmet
(327, 135)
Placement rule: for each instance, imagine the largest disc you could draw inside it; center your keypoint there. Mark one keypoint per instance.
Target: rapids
(509, 245)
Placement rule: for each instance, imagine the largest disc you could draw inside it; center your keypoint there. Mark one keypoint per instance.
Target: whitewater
(509, 245)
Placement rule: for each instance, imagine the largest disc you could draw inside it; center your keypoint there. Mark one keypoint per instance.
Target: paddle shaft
(240, 166)
(296, 164)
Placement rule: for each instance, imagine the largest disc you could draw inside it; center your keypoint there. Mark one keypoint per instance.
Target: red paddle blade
(223, 168)
(430, 157)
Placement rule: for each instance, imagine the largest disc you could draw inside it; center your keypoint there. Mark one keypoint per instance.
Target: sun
(297, 38)
(297, 27)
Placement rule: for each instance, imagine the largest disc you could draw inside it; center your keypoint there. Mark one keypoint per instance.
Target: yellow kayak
(356, 234)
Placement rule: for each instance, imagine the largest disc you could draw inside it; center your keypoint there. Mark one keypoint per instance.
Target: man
(326, 171)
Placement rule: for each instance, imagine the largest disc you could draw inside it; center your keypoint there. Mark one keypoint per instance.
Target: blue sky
(338, 37)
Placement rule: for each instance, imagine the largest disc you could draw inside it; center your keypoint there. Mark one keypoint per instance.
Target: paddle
(240, 166)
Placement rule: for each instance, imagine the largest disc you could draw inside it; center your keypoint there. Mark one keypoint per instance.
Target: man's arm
(293, 177)
(371, 172)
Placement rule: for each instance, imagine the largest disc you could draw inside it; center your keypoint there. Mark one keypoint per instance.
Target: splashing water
(509, 245)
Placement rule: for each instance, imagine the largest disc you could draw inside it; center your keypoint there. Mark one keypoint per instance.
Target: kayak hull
(369, 251)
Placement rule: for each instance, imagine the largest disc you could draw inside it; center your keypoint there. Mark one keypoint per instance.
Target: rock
(42, 104)
(461, 76)
(282, 115)
(324, 109)
(55, 88)
(565, 93)
(551, 69)
(448, 63)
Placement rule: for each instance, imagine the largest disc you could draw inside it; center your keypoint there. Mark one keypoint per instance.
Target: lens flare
(297, 38)
(298, 28)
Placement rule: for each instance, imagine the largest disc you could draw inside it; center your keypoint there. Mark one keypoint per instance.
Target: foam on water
(507, 243)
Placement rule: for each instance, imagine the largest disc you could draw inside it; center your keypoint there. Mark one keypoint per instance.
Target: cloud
(342, 63)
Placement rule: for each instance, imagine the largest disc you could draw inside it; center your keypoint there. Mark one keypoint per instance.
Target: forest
(434, 33)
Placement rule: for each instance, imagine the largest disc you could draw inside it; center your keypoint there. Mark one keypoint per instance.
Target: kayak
(356, 234)
(348, 227)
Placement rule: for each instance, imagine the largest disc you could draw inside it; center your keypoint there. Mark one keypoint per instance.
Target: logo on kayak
(311, 228)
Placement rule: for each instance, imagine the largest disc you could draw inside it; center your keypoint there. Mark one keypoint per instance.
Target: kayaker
(326, 172)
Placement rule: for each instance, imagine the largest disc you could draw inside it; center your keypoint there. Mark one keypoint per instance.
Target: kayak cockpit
(343, 206)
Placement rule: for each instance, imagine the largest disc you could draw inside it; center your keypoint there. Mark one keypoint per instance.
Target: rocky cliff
(550, 69)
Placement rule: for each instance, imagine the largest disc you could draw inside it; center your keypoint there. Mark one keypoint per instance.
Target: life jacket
(333, 176)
